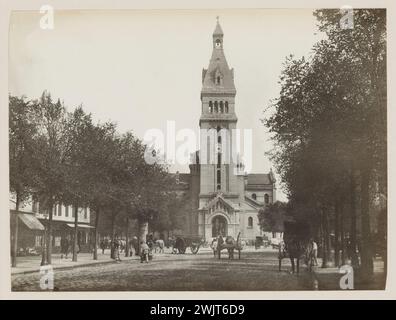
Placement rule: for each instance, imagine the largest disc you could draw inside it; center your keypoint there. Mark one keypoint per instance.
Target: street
(257, 270)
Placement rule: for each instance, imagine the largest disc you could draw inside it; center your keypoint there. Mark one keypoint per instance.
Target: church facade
(224, 198)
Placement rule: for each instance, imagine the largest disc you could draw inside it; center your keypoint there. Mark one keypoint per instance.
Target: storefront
(30, 232)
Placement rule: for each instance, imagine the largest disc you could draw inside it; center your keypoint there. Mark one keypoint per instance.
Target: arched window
(266, 198)
(226, 107)
(210, 106)
(221, 107)
(254, 196)
(216, 108)
(218, 80)
(250, 222)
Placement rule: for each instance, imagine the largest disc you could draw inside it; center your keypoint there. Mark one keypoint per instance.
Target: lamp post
(44, 260)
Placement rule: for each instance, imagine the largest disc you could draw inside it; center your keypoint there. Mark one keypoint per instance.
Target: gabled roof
(259, 179)
(219, 198)
(254, 203)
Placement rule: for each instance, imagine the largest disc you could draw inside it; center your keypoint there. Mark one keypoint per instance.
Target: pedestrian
(144, 252)
(117, 249)
(64, 244)
(314, 253)
(102, 246)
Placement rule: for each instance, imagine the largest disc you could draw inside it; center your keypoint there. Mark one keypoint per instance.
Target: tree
(52, 142)
(272, 217)
(329, 126)
(77, 171)
(21, 146)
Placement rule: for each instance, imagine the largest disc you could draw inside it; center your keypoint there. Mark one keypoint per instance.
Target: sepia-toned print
(217, 150)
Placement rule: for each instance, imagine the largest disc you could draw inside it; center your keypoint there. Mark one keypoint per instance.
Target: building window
(59, 209)
(250, 222)
(254, 196)
(218, 80)
(210, 107)
(221, 107)
(66, 211)
(266, 199)
(218, 177)
(216, 108)
(85, 213)
(226, 107)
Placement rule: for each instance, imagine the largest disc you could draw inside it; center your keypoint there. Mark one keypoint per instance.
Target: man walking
(64, 247)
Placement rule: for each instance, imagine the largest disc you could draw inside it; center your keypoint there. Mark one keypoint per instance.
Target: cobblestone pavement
(257, 270)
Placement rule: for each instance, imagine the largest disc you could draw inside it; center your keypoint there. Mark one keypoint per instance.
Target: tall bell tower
(217, 120)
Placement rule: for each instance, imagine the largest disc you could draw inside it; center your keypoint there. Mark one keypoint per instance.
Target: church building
(224, 198)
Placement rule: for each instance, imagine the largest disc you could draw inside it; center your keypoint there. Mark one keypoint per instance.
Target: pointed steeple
(218, 77)
(218, 31)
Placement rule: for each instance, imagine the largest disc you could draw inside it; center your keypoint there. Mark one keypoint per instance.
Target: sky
(141, 69)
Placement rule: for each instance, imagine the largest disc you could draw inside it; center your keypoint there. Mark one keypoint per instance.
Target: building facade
(224, 199)
(33, 220)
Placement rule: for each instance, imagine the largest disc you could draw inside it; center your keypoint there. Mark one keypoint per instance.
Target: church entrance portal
(219, 226)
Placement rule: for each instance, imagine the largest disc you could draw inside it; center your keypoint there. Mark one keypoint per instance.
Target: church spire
(218, 36)
(218, 31)
(218, 77)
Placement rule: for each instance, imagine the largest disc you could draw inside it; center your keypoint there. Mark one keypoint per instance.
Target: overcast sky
(142, 68)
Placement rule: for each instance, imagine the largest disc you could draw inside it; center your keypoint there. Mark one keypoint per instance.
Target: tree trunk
(95, 248)
(325, 236)
(127, 238)
(15, 242)
(352, 244)
(366, 245)
(75, 244)
(112, 253)
(337, 234)
(49, 230)
(143, 231)
(342, 234)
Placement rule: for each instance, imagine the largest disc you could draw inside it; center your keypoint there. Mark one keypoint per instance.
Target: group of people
(66, 246)
(119, 245)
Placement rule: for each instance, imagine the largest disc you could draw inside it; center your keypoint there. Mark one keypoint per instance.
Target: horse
(160, 245)
(230, 244)
(179, 246)
(295, 250)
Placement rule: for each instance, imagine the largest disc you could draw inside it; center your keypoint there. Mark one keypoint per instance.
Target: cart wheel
(194, 248)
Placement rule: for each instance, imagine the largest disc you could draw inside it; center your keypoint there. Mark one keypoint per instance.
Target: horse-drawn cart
(187, 241)
(229, 243)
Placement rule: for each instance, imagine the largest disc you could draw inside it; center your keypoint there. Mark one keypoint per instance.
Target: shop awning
(71, 225)
(31, 221)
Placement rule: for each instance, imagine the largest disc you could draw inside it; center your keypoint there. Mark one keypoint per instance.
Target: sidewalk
(31, 264)
(378, 267)
(329, 278)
